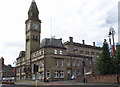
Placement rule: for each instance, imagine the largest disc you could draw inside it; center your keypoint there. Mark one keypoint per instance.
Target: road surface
(72, 85)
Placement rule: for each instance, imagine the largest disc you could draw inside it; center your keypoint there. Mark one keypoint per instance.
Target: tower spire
(33, 0)
(33, 12)
(33, 7)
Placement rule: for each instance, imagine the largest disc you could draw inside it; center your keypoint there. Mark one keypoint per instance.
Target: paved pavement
(70, 83)
(85, 85)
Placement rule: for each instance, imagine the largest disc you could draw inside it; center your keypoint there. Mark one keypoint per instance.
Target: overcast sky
(82, 19)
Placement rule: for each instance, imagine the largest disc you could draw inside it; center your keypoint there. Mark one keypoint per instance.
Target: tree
(118, 53)
(104, 63)
(117, 60)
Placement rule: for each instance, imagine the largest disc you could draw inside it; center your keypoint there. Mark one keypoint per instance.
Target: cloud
(82, 19)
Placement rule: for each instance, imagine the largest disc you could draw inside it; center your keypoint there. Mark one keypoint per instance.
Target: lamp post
(71, 65)
(14, 69)
(84, 70)
(92, 67)
(44, 66)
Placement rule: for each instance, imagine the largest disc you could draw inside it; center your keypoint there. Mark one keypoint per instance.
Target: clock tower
(33, 30)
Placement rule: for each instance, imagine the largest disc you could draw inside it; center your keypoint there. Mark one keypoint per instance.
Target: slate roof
(51, 42)
(22, 54)
(82, 45)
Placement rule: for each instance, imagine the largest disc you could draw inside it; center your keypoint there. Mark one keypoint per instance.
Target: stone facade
(52, 58)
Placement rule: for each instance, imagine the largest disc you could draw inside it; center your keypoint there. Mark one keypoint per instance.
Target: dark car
(8, 82)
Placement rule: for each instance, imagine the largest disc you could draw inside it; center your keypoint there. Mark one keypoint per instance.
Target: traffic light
(35, 68)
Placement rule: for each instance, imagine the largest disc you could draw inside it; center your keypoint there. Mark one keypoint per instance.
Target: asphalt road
(82, 85)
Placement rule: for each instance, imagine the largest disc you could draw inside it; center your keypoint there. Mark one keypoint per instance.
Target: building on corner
(52, 58)
(6, 71)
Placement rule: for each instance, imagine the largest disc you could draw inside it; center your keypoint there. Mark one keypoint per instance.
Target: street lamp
(44, 66)
(14, 69)
(84, 70)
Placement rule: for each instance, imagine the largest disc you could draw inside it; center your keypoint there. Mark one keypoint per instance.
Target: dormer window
(60, 52)
(55, 51)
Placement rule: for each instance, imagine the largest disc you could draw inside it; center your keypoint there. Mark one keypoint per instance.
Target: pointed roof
(33, 0)
(33, 7)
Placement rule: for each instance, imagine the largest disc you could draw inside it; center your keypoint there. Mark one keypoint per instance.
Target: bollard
(36, 83)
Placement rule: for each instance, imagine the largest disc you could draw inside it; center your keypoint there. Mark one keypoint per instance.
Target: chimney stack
(71, 39)
(61, 39)
(94, 44)
(1, 63)
(83, 41)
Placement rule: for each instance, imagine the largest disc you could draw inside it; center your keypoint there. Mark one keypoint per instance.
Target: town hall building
(51, 58)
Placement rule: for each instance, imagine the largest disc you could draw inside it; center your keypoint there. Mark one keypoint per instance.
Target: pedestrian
(118, 79)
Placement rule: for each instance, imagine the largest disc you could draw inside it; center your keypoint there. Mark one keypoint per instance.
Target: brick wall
(99, 79)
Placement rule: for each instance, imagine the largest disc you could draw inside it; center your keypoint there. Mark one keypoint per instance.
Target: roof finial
(33, 0)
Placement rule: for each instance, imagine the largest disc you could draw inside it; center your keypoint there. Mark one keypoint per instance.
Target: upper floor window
(36, 37)
(61, 63)
(73, 62)
(78, 63)
(40, 52)
(22, 68)
(97, 54)
(87, 53)
(55, 51)
(23, 59)
(90, 62)
(68, 63)
(56, 63)
(34, 55)
(33, 36)
(28, 37)
(81, 52)
(41, 63)
(92, 53)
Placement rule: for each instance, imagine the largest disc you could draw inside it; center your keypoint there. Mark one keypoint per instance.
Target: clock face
(35, 26)
(28, 26)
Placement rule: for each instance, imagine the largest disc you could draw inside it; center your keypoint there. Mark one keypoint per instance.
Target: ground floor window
(48, 74)
(59, 74)
(56, 74)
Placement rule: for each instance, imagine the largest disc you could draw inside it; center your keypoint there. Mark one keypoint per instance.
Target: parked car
(73, 77)
(8, 82)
